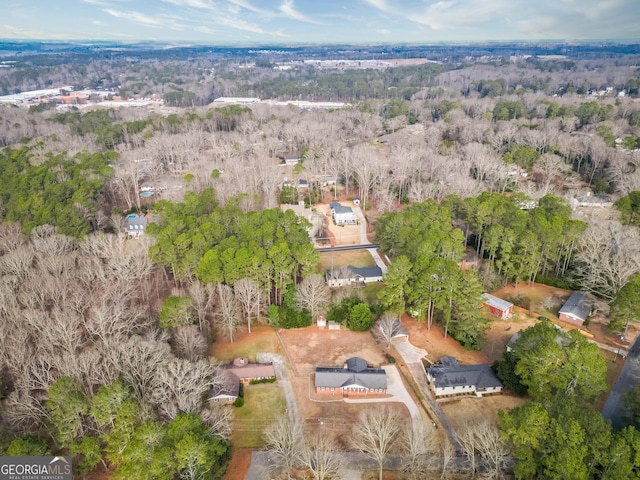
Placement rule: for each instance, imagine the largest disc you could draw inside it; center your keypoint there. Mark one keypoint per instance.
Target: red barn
(497, 306)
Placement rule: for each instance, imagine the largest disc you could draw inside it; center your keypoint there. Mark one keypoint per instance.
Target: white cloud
(248, 6)
(455, 14)
(165, 21)
(380, 5)
(203, 29)
(201, 4)
(383, 31)
(249, 27)
(289, 10)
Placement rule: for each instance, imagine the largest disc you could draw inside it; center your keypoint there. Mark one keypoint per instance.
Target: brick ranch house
(240, 371)
(354, 379)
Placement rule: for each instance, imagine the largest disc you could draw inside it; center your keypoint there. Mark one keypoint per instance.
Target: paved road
(629, 376)
(364, 240)
(342, 248)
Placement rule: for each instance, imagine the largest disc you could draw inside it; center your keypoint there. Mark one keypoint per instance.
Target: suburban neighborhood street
(613, 408)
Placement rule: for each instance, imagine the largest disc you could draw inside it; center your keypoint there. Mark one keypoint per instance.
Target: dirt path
(282, 374)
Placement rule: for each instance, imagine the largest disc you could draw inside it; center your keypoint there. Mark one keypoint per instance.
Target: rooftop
(481, 376)
(496, 302)
(578, 305)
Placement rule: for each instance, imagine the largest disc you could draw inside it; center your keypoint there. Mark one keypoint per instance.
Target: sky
(228, 22)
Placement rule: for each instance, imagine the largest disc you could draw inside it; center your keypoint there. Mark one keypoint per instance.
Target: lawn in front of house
(263, 403)
(357, 258)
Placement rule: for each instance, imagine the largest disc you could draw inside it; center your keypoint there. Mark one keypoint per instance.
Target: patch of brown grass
(261, 339)
(357, 258)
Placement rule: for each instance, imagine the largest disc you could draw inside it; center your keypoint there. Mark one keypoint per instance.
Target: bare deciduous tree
(188, 343)
(227, 315)
(321, 457)
(608, 254)
(249, 297)
(419, 457)
(284, 439)
(388, 326)
(376, 433)
(313, 294)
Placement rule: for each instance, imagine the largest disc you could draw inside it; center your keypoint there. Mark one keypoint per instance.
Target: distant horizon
(96, 41)
(258, 22)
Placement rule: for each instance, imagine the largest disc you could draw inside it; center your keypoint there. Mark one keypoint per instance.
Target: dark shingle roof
(464, 375)
(350, 271)
(339, 208)
(356, 373)
(577, 306)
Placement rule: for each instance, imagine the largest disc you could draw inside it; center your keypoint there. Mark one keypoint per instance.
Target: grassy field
(262, 405)
(262, 339)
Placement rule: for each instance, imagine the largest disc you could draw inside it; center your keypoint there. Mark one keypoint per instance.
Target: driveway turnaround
(396, 388)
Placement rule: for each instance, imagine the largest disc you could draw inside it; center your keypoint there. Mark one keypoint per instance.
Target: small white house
(342, 215)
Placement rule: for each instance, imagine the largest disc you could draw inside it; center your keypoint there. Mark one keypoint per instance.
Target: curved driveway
(396, 388)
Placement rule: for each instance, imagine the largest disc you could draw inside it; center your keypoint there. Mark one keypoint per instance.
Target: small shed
(497, 306)
(334, 325)
(321, 321)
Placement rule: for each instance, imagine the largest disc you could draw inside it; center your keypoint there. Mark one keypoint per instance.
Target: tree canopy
(60, 191)
(224, 244)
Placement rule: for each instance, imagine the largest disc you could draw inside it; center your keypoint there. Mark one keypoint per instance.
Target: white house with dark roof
(350, 275)
(342, 215)
(450, 378)
(576, 309)
(354, 378)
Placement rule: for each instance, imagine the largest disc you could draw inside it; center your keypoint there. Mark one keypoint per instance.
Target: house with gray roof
(354, 378)
(576, 309)
(342, 215)
(350, 275)
(135, 225)
(240, 371)
(450, 378)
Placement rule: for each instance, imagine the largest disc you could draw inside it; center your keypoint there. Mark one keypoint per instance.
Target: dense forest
(104, 339)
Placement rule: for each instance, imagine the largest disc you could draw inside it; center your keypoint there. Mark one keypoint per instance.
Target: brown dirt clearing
(261, 339)
(311, 346)
(342, 235)
(436, 345)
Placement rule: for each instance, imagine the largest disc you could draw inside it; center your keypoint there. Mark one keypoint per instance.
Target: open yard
(340, 235)
(459, 410)
(261, 339)
(262, 405)
(436, 345)
(357, 258)
(311, 346)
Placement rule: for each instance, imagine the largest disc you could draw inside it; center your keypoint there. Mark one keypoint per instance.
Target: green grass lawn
(262, 405)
